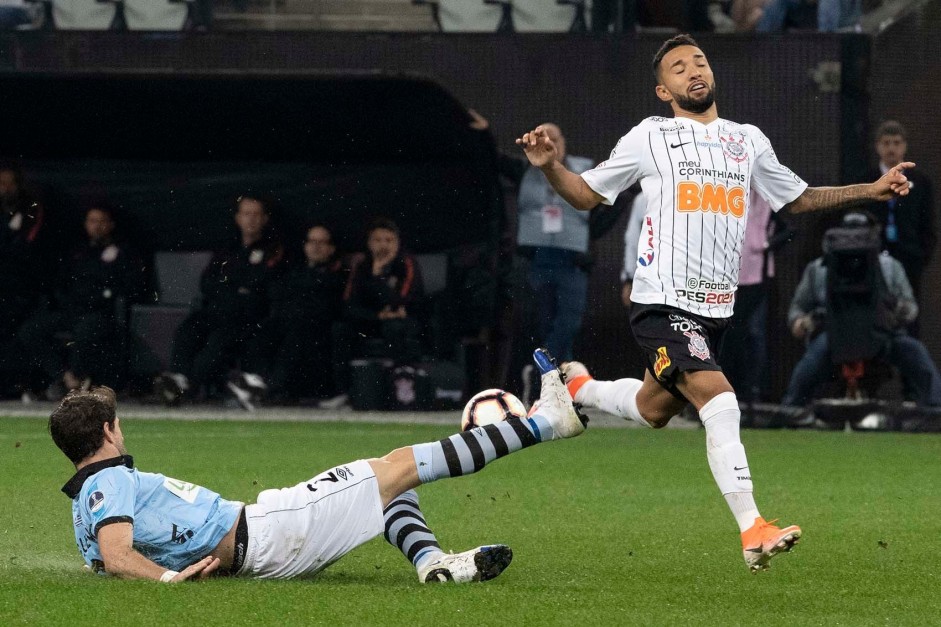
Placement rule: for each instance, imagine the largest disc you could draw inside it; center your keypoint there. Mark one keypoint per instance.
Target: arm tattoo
(822, 198)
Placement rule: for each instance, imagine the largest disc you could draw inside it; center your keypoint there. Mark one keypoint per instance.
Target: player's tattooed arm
(822, 198)
(893, 183)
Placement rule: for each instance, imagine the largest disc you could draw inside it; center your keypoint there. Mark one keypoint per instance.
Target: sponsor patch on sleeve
(96, 500)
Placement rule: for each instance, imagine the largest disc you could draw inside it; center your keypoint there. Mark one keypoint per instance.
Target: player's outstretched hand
(894, 182)
(202, 569)
(538, 147)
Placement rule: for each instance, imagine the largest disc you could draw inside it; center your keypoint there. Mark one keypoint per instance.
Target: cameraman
(808, 311)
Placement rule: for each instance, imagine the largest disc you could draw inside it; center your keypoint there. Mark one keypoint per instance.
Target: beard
(686, 103)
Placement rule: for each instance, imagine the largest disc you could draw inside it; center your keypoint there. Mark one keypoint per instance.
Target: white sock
(721, 417)
(743, 508)
(615, 397)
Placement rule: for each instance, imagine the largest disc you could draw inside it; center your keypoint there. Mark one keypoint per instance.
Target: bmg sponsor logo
(709, 198)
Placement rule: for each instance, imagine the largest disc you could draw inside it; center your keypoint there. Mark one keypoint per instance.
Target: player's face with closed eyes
(687, 79)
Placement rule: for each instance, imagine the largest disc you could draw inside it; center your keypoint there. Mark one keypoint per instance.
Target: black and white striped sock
(406, 529)
(469, 451)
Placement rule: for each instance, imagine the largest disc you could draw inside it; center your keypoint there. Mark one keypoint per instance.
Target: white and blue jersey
(175, 523)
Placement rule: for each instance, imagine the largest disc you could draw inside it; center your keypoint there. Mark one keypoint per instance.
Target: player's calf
(552, 417)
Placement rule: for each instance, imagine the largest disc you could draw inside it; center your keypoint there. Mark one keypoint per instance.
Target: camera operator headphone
(847, 231)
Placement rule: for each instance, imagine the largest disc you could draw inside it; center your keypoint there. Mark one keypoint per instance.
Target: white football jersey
(696, 179)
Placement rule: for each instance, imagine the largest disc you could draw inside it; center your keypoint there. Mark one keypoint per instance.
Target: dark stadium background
(357, 124)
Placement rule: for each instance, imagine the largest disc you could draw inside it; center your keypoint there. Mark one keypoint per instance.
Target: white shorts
(302, 530)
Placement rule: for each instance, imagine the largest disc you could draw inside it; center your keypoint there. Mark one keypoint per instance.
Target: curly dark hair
(77, 424)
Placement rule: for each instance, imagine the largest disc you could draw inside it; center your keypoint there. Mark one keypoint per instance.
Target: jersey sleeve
(775, 181)
(621, 170)
(110, 499)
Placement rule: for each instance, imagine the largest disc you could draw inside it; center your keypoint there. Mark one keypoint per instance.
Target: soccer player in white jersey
(141, 525)
(696, 170)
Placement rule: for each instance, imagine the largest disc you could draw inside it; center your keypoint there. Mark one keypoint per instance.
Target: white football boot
(555, 402)
(480, 564)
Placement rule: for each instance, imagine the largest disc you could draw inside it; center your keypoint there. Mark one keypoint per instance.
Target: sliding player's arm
(892, 183)
(115, 541)
(542, 153)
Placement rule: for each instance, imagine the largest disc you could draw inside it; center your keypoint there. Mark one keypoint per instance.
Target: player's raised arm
(120, 558)
(543, 154)
(892, 183)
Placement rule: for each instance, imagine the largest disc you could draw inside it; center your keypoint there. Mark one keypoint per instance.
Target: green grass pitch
(617, 527)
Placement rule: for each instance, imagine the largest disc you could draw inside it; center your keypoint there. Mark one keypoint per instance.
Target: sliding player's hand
(202, 569)
(894, 182)
(539, 149)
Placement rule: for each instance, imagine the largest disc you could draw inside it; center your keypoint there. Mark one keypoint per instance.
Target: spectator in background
(908, 222)
(96, 283)
(605, 14)
(291, 354)
(744, 353)
(903, 351)
(234, 289)
(21, 223)
(747, 14)
(832, 15)
(827, 15)
(552, 239)
(381, 303)
(17, 13)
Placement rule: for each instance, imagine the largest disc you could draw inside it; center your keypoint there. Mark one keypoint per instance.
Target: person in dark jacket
(908, 224)
(381, 303)
(291, 354)
(95, 285)
(21, 225)
(234, 290)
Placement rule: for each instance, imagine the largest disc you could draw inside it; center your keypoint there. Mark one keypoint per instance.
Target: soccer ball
(491, 406)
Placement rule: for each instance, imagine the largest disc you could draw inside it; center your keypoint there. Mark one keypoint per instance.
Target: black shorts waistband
(241, 544)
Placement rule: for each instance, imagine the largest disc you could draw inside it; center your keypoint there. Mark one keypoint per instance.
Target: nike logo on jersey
(678, 145)
(737, 468)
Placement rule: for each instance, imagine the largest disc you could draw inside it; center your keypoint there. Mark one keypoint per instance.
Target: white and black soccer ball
(490, 406)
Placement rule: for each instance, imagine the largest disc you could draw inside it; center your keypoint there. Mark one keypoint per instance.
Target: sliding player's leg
(406, 529)
(552, 417)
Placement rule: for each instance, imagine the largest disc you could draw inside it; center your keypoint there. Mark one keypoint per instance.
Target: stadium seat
(434, 272)
(468, 16)
(528, 16)
(156, 15)
(178, 275)
(544, 16)
(83, 14)
(153, 326)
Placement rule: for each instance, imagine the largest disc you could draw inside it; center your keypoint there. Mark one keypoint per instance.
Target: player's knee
(658, 420)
